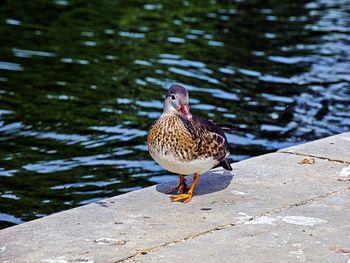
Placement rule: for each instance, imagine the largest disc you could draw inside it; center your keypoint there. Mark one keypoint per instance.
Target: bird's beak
(185, 110)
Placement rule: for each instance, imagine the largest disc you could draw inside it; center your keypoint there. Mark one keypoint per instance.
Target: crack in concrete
(307, 201)
(315, 156)
(132, 258)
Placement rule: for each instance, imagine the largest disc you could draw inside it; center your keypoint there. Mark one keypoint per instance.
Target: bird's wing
(210, 137)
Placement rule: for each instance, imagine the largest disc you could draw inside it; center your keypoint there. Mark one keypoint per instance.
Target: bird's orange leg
(187, 196)
(181, 188)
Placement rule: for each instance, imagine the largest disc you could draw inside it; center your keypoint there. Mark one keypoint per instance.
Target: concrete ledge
(289, 206)
(334, 148)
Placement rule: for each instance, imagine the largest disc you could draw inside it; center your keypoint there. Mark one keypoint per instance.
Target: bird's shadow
(210, 182)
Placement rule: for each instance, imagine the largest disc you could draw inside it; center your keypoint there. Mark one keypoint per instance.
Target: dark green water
(81, 81)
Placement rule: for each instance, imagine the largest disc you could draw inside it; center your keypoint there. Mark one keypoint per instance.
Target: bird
(185, 144)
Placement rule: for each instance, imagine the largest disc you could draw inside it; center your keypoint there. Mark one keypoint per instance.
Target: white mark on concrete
(136, 215)
(301, 258)
(345, 171)
(62, 260)
(2, 249)
(274, 234)
(299, 253)
(262, 220)
(346, 139)
(243, 218)
(109, 241)
(242, 214)
(295, 220)
(57, 260)
(238, 192)
(303, 220)
(285, 241)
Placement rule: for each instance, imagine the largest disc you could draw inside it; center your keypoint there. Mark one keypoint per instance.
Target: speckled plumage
(169, 136)
(186, 144)
(178, 139)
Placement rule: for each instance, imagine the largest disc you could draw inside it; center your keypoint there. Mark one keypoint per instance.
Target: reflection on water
(81, 81)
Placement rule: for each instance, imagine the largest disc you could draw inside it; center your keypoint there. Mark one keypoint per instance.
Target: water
(81, 81)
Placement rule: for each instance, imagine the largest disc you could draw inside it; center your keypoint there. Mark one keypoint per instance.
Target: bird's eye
(172, 97)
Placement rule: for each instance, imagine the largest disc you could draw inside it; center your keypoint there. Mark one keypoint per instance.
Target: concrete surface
(277, 207)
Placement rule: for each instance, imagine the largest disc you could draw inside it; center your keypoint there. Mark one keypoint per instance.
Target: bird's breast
(169, 139)
(180, 147)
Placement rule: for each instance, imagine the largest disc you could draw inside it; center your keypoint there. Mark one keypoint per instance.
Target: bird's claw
(181, 188)
(182, 197)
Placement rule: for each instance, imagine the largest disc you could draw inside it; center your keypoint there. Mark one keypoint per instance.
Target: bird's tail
(226, 165)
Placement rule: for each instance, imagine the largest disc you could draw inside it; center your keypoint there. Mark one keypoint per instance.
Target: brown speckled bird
(186, 144)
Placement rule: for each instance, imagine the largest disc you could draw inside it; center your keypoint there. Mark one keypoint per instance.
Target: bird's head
(176, 101)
